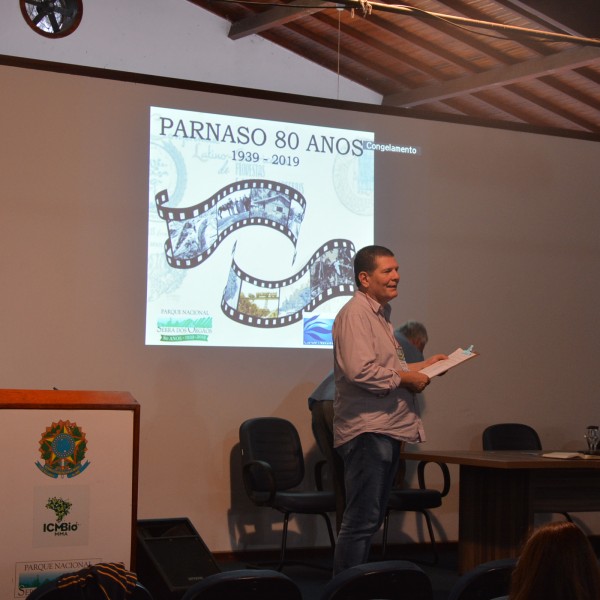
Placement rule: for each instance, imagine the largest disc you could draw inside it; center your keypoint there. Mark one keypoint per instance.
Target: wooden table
(499, 492)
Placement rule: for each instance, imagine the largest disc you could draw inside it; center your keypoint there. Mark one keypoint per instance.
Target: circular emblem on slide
(62, 448)
(353, 183)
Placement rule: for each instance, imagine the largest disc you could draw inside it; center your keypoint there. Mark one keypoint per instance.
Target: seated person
(557, 563)
(412, 336)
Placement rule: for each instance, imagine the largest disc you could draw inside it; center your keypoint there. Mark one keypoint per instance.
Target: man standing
(375, 408)
(412, 337)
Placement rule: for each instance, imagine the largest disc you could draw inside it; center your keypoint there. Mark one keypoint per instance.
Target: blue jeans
(370, 464)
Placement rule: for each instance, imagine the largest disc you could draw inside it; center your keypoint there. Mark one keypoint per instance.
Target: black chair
(485, 582)
(244, 584)
(272, 470)
(141, 593)
(420, 500)
(513, 436)
(386, 580)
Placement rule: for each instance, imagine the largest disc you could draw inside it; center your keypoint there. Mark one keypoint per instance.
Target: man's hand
(414, 381)
(425, 363)
(435, 358)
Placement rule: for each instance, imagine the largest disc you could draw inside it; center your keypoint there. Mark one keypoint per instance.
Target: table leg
(495, 513)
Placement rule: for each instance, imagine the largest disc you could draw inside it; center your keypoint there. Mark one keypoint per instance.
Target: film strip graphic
(267, 304)
(195, 232)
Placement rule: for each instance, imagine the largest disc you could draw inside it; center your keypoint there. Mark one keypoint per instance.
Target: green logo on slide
(183, 330)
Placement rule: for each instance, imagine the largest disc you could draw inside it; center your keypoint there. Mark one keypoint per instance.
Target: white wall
(515, 276)
(174, 38)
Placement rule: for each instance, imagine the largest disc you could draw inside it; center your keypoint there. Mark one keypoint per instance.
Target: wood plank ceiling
(480, 59)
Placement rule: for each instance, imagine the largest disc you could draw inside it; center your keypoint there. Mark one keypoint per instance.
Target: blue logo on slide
(317, 331)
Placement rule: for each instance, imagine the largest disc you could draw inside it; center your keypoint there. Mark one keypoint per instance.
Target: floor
(312, 579)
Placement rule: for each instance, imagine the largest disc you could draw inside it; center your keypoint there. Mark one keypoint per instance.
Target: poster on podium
(70, 497)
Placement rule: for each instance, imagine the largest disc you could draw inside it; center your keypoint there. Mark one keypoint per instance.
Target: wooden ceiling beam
(531, 69)
(593, 101)
(349, 56)
(373, 42)
(482, 111)
(411, 38)
(553, 108)
(274, 17)
(507, 30)
(589, 73)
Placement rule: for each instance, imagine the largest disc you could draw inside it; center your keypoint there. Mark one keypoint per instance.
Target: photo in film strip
(196, 232)
(258, 303)
(262, 221)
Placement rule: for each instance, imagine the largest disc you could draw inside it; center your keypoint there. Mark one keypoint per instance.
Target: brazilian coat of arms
(62, 448)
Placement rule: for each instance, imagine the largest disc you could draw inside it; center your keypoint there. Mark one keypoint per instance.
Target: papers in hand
(456, 358)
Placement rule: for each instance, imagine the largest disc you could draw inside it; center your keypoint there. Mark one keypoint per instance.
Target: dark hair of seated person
(557, 563)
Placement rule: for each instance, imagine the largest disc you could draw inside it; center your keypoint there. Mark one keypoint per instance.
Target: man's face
(382, 283)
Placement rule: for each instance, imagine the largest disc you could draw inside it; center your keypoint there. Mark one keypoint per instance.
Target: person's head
(376, 273)
(557, 563)
(415, 333)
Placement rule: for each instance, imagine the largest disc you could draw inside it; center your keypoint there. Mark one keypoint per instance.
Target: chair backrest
(511, 436)
(49, 591)
(244, 584)
(141, 592)
(274, 441)
(485, 582)
(386, 580)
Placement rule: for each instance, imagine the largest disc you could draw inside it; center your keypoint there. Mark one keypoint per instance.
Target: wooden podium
(69, 497)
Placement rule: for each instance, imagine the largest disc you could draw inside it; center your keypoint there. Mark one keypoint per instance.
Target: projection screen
(253, 226)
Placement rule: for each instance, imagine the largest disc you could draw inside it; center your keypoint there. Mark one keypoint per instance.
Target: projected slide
(253, 226)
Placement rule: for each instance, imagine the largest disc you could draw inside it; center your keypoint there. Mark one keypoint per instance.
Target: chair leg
(386, 522)
(431, 536)
(286, 518)
(567, 516)
(329, 529)
(429, 529)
